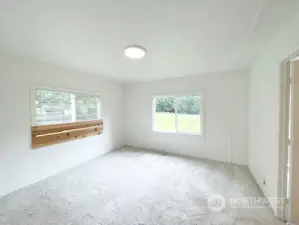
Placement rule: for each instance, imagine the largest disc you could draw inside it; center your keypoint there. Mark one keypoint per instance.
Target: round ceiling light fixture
(135, 52)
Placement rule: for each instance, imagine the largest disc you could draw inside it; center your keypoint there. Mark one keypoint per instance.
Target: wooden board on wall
(45, 135)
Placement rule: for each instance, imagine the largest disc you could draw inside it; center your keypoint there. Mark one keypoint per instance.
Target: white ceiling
(182, 37)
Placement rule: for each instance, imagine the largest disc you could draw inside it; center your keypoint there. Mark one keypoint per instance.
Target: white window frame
(202, 112)
(35, 87)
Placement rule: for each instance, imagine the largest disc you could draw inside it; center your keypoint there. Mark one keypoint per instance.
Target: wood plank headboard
(45, 135)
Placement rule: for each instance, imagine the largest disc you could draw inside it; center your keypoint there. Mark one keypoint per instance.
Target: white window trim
(34, 87)
(202, 112)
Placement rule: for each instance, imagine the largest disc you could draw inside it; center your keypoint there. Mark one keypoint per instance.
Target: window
(55, 107)
(178, 114)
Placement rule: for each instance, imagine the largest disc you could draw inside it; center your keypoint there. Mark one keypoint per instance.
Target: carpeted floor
(137, 187)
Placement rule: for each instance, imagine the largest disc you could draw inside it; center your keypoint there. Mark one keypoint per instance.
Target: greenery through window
(178, 114)
(55, 107)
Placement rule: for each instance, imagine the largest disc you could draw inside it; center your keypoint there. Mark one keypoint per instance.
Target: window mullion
(73, 100)
(42, 107)
(176, 114)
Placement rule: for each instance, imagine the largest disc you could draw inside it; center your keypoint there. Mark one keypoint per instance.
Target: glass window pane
(165, 114)
(86, 107)
(53, 107)
(188, 114)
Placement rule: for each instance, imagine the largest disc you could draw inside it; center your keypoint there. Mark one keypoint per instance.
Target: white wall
(226, 116)
(264, 107)
(19, 164)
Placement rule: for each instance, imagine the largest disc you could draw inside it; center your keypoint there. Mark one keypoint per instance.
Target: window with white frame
(55, 107)
(178, 114)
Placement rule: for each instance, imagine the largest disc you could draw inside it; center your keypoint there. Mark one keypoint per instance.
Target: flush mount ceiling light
(135, 52)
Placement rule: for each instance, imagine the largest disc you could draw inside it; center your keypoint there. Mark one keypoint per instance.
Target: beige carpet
(137, 187)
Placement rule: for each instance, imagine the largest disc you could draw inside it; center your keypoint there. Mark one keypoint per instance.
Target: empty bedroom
(144, 112)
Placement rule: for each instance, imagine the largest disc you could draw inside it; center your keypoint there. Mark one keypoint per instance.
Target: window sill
(179, 133)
